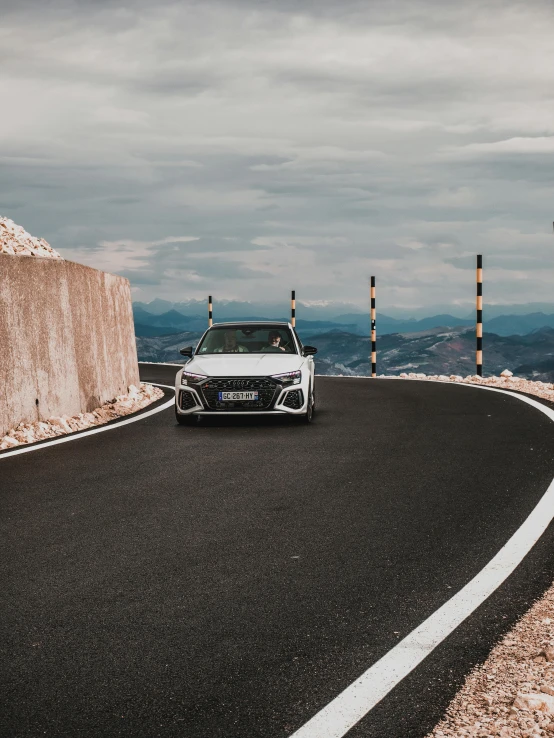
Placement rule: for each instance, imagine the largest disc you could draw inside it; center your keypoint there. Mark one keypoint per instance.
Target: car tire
(186, 419)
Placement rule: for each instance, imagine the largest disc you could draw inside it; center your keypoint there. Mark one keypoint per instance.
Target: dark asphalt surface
(229, 580)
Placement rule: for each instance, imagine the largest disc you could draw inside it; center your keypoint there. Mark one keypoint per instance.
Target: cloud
(330, 141)
(517, 145)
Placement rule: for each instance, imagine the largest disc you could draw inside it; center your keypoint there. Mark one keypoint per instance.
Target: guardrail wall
(67, 341)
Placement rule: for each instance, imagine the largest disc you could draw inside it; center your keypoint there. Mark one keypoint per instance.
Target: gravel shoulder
(136, 399)
(512, 693)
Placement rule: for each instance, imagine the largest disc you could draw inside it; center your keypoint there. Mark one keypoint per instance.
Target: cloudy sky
(244, 148)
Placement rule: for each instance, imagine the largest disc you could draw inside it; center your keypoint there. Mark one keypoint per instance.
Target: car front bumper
(292, 400)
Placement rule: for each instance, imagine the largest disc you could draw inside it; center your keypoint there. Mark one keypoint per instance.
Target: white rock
(137, 398)
(535, 701)
(507, 373)
(15, 240)
(9, 442)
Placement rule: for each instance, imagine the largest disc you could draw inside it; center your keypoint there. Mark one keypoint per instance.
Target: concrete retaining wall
(67, 342)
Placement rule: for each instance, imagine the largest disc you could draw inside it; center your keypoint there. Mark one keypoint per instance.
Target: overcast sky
(246, 148)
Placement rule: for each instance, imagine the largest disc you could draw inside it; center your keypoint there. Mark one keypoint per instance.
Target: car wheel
(186, 419)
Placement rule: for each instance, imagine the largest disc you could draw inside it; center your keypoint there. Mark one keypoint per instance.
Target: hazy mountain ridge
(434, 351)
(352, 322)
(439, 351)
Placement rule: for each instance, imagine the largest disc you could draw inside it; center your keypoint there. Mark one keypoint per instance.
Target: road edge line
(91, 431)
(359, 698)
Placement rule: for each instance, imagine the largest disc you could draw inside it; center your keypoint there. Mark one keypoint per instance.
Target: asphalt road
(229, 580)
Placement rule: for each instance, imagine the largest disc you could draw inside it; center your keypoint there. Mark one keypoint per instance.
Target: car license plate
(237, 396)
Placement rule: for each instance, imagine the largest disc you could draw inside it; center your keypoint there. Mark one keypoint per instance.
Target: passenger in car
(230, 345)
(274, 341)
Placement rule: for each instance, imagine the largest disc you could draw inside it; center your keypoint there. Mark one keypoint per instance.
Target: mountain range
(440, 343)
(314, 320)
(433, 351)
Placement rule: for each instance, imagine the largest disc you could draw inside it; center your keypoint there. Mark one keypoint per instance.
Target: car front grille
(294, 400)
(265, 388)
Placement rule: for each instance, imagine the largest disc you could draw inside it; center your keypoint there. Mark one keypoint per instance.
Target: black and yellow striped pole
(479, 330)
(373, 331)
(210, 312)
(293, 308)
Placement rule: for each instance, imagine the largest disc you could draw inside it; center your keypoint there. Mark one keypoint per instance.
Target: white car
(254, 368)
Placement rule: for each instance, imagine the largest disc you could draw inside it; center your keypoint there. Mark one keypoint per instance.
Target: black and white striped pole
(479, 330)
(293, 308)
(210, 312)
(373, 331)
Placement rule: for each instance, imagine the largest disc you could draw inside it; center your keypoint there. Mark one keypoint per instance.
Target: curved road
(229, 580)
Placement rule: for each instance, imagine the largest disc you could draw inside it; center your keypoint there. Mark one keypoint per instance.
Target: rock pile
(135, 399)
(511, 694)
(16, 241)
(506, 380)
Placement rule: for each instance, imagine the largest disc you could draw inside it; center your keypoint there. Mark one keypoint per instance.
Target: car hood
(239, 365)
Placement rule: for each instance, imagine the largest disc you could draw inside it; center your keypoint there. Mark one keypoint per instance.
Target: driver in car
(230, 345)
(274, 341)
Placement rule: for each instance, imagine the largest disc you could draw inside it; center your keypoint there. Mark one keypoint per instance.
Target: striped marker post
(210, 312)
(373, 331)
(479, 331)
(293, 308)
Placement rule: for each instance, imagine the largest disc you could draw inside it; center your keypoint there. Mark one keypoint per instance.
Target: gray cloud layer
(244, 148)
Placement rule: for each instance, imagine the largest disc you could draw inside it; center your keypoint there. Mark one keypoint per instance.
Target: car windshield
(247, 339)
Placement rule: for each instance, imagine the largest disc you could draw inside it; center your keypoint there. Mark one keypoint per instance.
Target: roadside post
(210, 312)
(373, 331)
(479, 330)
(293, 308)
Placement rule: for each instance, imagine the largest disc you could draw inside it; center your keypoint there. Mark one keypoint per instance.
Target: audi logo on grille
(239, 383)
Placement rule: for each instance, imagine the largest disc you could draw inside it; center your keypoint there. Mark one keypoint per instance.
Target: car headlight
(192, 378)
(288, 377)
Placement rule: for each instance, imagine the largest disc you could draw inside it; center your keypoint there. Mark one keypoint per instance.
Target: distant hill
(171, 319)
(438, 351)
(165, 349)
(508, 325)
(433, 351)
(149, 330)
(386, 324)
(225, 310)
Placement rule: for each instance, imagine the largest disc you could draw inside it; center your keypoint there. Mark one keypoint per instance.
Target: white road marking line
(91, 431)
(351, 705)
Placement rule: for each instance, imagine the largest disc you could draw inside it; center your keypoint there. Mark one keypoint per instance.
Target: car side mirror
(309, 351)
(187, 351)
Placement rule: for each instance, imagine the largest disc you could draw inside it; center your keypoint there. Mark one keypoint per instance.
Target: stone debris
(506, 380)
(511, 694)
(15, 240)
(136, 399)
